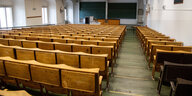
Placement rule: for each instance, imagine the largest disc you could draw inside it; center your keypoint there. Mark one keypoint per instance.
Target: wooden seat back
(25, 54)
(69, 59)
(32, 38)
(86, 82)
(81, 48)
(183, 87)
(172, 71)
(48, 76)
(17, 70)
(182, 48)
(161, 47)
(2, 69)
(174, 43)
(15, 43)
(6, 51)
(63, 47)
(45, 57)
(181, 57)
(46, 39)
(4, 41)
(60, 40)
(20, 37)
(46, 45)
(103, 50)
(94, 62)
(9, 36)
(29, 44)
(89, 43)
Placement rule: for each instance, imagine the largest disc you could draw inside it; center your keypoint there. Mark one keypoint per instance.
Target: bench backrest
(7, 51)
(24, 54)
(69, 59)
(183, 48)
(46, 46)
(172, 71)
(46, 57)
(84, 80)
(17, 70)
(30, 44)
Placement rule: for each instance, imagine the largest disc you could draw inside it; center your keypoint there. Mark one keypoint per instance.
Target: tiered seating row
(55, 78)
(75, 59)
(41, 45)
(159, 49)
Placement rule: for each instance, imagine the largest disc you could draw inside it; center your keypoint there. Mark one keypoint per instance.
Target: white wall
(19, 13)
(52, 12)
(60, 15)
(30, 5)
(76, 12)
(23, 10)
(70, 11)
(175, 21)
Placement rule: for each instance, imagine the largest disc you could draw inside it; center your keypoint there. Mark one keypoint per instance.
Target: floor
(131, 75)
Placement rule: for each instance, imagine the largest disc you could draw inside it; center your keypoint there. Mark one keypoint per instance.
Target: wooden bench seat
(182, 57)
(64, 77)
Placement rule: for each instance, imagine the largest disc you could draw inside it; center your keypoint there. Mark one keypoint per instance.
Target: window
(44, 15)
(6, 17)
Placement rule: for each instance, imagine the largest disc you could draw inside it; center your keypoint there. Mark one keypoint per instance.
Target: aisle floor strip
(125, 93)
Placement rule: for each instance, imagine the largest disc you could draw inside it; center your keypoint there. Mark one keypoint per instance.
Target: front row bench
(55, 78)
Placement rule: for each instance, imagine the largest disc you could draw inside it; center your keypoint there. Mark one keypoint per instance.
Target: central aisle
(131, 75)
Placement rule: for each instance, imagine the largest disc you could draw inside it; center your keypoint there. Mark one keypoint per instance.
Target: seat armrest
(184, 81)
(108, 64)
(172, 85)
(100, 80)
(162, 67)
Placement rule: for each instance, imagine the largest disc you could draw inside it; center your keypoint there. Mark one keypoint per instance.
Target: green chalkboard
(122, 10)
(178, 1)
(96, 9)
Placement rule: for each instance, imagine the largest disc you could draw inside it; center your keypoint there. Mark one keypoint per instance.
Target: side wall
(174, 20)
